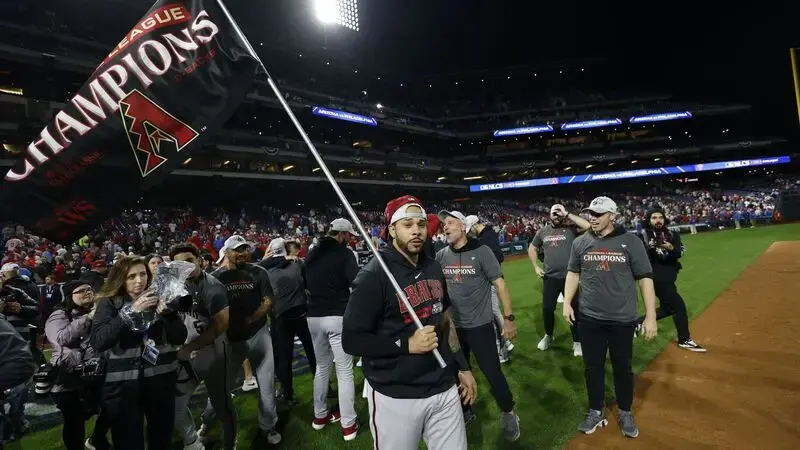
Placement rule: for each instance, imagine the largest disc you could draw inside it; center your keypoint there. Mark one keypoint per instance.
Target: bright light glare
(341, 12)
(325, 10)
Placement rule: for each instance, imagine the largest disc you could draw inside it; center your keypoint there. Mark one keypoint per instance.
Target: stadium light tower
(340, 12)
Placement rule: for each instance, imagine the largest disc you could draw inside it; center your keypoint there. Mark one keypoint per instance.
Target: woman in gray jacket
(67, 330)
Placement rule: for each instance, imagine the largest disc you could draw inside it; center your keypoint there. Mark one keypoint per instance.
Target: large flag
(169, 85)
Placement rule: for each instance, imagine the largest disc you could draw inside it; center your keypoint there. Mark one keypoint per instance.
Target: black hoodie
(375, 328)
(288, 281)
(330, 269)
(16, 362)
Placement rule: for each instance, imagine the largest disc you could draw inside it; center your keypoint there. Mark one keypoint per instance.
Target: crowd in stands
(147, 231)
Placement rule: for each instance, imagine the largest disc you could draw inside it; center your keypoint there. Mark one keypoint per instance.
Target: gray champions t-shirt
(210, 297)
(609, 267)
(469, 275)
(556, 243)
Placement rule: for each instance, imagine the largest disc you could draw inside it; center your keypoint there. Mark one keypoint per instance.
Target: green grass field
(548, 386)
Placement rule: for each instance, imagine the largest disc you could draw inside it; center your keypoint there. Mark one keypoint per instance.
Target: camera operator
(75, 394)
(20, 310)
(664, 247)
(140, 367)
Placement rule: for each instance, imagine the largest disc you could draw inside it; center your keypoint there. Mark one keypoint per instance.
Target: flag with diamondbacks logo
(163, 91)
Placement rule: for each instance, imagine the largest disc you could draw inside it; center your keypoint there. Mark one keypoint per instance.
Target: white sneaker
(358, 364)
(577, 350)
(196, 445)
(88, 445)
(251, 385)
(545, 343)
(509, 346)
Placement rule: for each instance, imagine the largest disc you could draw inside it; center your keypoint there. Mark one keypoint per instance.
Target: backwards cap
(397, 209)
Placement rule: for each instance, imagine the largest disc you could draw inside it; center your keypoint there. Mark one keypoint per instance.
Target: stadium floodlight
(341, 12)
(590, 124)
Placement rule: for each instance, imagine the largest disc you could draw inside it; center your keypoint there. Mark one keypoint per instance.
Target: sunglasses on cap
(82, 291)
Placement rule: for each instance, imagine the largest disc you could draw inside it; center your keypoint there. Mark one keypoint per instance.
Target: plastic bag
(169, 284)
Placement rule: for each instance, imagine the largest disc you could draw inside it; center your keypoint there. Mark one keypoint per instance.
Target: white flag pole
(329, 176)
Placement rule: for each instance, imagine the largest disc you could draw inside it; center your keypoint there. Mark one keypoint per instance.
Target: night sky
(692, 50)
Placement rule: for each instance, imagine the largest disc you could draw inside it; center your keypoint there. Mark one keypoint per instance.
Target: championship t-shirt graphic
(604, 259)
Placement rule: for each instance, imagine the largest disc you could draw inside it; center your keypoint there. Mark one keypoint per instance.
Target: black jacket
(330, 270)
(489, 238)
(28, 309)
(666, 264)
(288, 279)
(24, 283)
(16, 361)
(375, 327)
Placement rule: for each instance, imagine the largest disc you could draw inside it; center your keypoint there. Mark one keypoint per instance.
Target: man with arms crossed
(249, 300)
(409, 394)
(205, 352)
(471, 270)
(607, 263)
(555, 240)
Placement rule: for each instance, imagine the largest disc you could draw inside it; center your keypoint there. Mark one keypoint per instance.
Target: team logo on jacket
(605, 259)
(421, 294)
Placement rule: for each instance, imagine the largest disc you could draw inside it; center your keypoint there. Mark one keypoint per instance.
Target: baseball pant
(284, 329)
(326, 333)
(399, 423)
(210, 365)
(551, 289)
(598, 338)
(481, 341)
(670, 303)
(258, 350)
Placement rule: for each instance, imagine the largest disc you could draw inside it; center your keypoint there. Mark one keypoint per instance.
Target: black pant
(481, 341)
(599, 337)
(551, 288)
(76, 408)
(670, 303)
(284, 329)
(128, 403)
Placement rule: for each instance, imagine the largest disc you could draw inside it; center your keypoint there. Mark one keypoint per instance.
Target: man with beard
(410, 396)
(555, 240)
(665, 248)
(205, 352)
(471, 269)
(331, 268)
(249, 301)
(607, 264)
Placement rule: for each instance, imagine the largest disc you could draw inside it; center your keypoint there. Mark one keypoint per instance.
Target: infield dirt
(745, 392)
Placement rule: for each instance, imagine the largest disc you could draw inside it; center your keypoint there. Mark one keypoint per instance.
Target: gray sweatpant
(326, 334)
(257, 349)
(399, 423)
(210, 366)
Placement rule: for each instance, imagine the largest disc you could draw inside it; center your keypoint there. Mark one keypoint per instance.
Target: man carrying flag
(410, 395)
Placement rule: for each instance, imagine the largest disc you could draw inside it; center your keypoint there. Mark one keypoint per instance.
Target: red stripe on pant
(374, 415)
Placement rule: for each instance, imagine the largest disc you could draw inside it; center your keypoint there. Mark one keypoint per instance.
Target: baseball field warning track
(745, 392)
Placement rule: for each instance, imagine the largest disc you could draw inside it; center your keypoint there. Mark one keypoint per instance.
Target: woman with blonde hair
(140, 365)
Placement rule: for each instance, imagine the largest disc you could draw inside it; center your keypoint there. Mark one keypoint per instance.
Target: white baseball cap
(343, 225)
(9, 267)
(602, 205)
(232, 243)
(444, 214)
(277, 247)
(471, 221)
